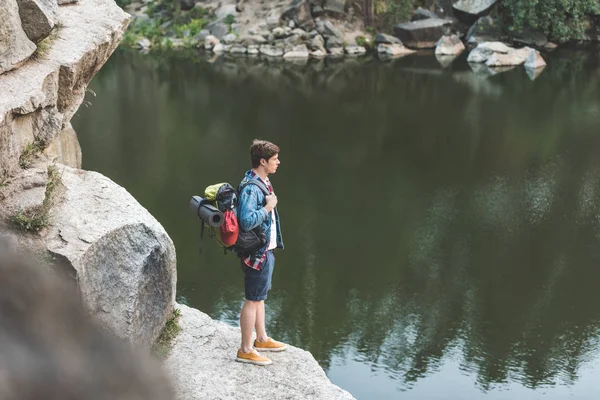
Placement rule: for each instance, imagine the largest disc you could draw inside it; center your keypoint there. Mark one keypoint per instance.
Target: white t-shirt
(273, 240)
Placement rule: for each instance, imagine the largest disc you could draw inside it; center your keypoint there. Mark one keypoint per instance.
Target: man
(258, 211)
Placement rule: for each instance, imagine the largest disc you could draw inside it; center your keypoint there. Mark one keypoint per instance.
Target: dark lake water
(442, 226)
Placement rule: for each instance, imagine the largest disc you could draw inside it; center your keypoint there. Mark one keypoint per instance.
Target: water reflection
(434, 217)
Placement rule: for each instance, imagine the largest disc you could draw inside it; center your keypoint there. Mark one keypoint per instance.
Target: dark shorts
(258, 283)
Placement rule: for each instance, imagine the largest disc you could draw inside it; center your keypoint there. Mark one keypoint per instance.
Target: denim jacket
(252, 214)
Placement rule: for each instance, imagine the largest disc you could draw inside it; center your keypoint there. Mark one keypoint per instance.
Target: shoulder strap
(256, 182)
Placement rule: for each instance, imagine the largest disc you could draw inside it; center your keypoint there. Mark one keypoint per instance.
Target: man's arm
(251, 214)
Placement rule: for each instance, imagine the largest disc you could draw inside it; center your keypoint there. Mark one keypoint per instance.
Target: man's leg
(261, 333)
(248, 319)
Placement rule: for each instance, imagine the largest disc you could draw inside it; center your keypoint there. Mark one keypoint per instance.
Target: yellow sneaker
(269, 345)
(252, 358)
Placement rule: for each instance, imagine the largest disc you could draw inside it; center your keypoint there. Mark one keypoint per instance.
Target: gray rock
(423, 34)
(218, 48)
(65, 148)
(486, 29)
(318, 53)
(449, 46)
(483, 51)
(15, 46)
(336, 51)
(388, 39)
(122, 257)
(300, 33)
(201, 366)
(355, 50)
(333, 42)
(299, 51)
(317, 43)
(534, 60)
(219, 30)
(273, 19)
(512, 58)
(335, 8)
(394, 50)
(279, 32)
(421, 13)
(38, 99)
(229, 38)
(203, 34)
(61, 2)
(317, 11)
(143, 44)
(293, 40)
(225, 10)
(472, 9)
(530, 37)
(38, 17)
(299, 12)
(329, 29)
(253, 50)
(271, 51)
(237, 49)
(253, 40)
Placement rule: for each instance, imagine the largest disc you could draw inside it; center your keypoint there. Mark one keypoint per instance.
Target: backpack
(229, 235)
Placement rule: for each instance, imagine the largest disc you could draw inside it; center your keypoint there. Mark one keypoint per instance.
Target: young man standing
(258, 211)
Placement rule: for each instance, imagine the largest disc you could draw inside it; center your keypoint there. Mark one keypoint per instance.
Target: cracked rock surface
(202, 366)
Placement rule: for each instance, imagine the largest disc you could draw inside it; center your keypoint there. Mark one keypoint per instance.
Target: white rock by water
(122, 257)
(449, 46)
(201, 364)
(534, 60)
(299, 51)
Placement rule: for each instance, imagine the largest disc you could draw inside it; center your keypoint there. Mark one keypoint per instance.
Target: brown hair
(262, 149)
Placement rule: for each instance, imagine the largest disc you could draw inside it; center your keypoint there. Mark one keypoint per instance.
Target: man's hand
(271, 202)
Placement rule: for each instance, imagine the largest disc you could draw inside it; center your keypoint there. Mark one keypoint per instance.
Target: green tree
(561, 20)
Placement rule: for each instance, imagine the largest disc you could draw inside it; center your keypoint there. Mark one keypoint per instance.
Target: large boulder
(38, 17)
(486, 29)
(299, 12)
(423, 34)
(15, 46)
(201, 365)
(422, 13)
(123, 259)
(470, 10)
(38, 99)
(335, 8)
(449, 46)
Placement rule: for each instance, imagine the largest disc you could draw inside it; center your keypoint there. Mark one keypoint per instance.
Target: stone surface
(201, 364)
(473, 8)
(486, 29)
(300, 51)
(534, 60)
(512, 58)
(65, 148)
(422, 13)
(15, 46)
(334, 8)
(219, 30)
(449, 46)
(38, 17)
(122, 257)
(39, 98)
(299, 13)
(394, 50)
(355, 50)
(388, 39)
(225, 10)
(271, 51)
(423, 34)
(483, 51)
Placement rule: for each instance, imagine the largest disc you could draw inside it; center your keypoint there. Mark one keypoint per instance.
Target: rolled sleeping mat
(206, 211)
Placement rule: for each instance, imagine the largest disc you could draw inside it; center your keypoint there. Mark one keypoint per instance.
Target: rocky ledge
(202, 366)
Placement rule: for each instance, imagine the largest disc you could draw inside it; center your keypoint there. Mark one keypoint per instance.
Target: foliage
(123, 3)
(561, 20)
(163, 343)
(166, 22)
(31, 149)
(36, 218)
(387, 13)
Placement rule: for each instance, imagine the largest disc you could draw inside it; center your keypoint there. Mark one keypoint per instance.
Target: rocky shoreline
(303, 29)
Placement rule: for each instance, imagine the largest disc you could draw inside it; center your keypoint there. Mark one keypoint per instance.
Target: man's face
(272, 164)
